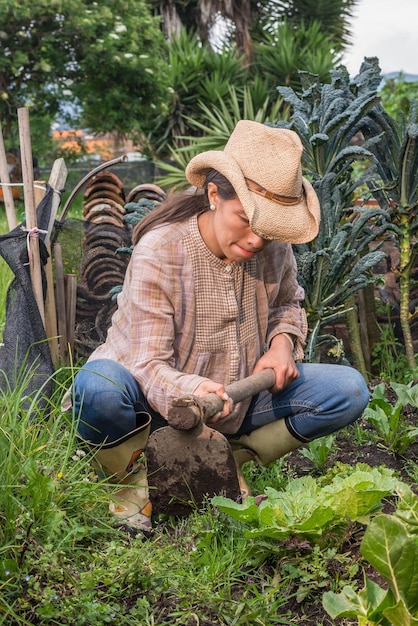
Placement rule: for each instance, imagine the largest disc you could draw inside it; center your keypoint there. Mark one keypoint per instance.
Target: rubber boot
(123, 462)
(264, 445)
(242, 455)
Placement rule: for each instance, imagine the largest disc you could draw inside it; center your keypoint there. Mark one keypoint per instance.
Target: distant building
(82, 145)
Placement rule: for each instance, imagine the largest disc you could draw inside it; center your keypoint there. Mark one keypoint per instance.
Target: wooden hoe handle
(188, 412)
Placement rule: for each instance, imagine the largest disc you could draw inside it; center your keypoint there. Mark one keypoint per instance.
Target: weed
(277, 475)
(388, 355)
(359, 432)
(388, 420)
(324, 570)
(318, 451)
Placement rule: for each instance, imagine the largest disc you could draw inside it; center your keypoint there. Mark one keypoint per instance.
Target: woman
(210, 297)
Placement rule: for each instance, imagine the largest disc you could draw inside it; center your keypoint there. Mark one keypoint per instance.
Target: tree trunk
(404, 287)
(355, 338)
(369, 327)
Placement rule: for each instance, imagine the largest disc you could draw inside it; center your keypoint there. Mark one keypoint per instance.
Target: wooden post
(70, 309)
(60, 299)
(56, 180)
(7, 192)
(30, 212)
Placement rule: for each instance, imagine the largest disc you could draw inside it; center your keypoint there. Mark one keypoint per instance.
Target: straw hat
(263, 164)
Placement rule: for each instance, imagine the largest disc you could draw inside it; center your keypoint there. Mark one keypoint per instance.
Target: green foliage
(62, 563)
(107, 57)
(203, 80)
(196, 74)
(390, 545)
(396, 157)
(248, 21)
(285, 51)
(219, 121)
(397, 95)
(396, 189)
(339, 261)
(332, 15)
(388, 420)
(316, 573)
(389, 355)
(37, 467)
(6, 276)
(260, 477)
(309, 508)
(318, 451)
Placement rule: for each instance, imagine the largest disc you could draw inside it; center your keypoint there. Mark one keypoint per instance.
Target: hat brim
(290, 223)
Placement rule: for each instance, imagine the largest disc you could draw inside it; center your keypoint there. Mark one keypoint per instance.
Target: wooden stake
(70, 309)
(56, 180)
(30, 212)
(7, 191)
(60, 299)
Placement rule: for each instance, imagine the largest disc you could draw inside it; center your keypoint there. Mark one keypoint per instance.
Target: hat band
(275, 197)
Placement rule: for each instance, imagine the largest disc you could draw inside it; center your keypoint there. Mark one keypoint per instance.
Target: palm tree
(333, 15)
(201, 16)
(246, 20)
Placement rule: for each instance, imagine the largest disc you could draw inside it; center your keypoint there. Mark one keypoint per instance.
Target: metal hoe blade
(186, 467)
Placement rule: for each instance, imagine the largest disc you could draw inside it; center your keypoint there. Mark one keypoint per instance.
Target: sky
(387, 29)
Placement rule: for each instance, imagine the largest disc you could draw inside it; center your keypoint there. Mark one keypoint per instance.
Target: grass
(62, 562)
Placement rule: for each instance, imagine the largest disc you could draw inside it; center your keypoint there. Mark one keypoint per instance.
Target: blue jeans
(108, 402)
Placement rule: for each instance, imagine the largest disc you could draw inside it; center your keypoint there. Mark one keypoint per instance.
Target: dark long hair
(181, 205)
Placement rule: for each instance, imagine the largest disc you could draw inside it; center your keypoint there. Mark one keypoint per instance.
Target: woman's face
(229, 234)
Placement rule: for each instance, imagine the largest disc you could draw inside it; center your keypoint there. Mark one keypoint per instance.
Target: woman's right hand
(209, 386)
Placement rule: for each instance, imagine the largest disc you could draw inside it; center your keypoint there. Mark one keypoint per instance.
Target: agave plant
(220, 118)
(284, 51)
(196, 74)
(338, 262)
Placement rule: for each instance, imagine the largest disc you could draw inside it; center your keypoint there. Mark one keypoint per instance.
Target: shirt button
(228, 269)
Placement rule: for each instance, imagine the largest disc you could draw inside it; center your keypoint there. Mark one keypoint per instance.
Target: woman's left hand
(279, 357)
(209, 386)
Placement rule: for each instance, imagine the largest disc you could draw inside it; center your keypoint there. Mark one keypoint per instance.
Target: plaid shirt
(185, 315)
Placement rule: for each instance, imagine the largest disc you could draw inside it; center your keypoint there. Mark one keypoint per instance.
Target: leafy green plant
(318, 451)
(396, 189)
(390, 545)
(411, 469)
(108, 57)
(338, 262)
(308, 508)
(388, 420)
